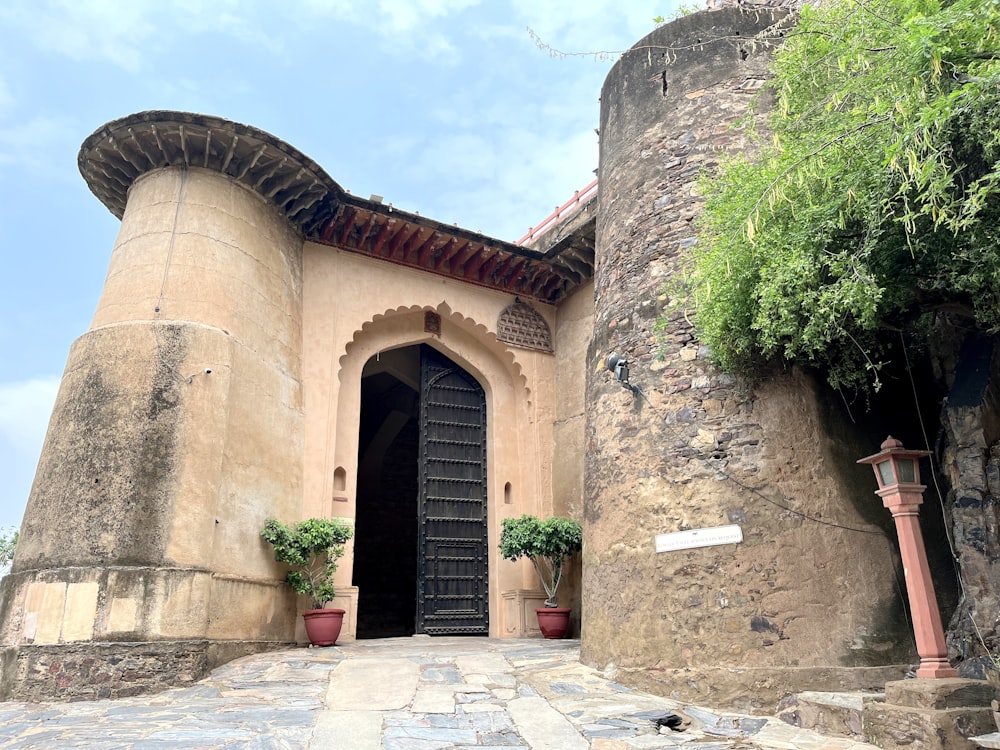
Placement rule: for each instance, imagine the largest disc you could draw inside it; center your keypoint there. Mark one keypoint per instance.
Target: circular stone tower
(177, 429)
(807, 599)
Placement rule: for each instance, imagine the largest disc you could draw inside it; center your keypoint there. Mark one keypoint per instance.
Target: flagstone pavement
(414, 693)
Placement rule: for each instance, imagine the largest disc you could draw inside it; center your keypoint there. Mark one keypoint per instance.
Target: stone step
(832, 714)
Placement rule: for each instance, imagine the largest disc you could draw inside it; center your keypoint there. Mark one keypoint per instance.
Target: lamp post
(897, 471)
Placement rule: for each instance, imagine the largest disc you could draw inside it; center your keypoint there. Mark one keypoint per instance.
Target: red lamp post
(897, 471)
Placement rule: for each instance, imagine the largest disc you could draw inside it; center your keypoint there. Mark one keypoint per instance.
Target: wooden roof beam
(426, 251)
(471, 269)
(447, 251)
(539, 281)
(552, 286)
(352, 214)
(399, 239)
(460, 259)
(366, 230)
(511, 271)
(488, 266)
(411, 248)
(384, 233)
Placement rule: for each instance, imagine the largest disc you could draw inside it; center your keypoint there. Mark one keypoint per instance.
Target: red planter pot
(323, 625)
(553, 621)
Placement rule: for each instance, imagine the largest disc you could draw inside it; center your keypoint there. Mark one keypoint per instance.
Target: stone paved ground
(399, 694)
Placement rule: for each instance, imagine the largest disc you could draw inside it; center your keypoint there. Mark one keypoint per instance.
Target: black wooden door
(452, 578)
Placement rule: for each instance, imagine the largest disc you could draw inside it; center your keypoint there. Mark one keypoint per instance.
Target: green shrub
(547, 543)
(311, 548)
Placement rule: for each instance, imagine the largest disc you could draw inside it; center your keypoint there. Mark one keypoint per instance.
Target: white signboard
(699, 538)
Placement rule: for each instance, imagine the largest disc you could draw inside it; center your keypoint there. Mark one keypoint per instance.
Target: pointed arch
(406, 319)
(510, 423)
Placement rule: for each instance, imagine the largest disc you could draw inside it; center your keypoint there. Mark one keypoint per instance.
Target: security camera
(208, 370)
(618, 364)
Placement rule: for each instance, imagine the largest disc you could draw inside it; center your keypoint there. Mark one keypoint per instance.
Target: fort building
(269, 345)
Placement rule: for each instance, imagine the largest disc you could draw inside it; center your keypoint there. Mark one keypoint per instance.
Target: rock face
(808, 598)
(971, 463)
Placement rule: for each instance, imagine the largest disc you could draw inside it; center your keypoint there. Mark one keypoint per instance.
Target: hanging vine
(873, 198)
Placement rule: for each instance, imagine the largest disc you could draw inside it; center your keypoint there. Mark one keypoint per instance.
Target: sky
(447, 107)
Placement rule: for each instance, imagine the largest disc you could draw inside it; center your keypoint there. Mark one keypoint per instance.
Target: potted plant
(548, 544)
(311, 548)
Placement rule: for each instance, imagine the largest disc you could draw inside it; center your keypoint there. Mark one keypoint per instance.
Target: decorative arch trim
(479, 332)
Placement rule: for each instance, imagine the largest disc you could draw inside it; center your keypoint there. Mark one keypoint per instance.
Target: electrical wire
(705, 459)
(700, 455)
(935, 468)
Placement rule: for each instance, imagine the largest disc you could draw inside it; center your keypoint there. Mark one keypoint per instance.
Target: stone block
(925, 723)
(837, 714)
(950, 692)
(519, 607)
(88, 670)
(81, 611)
(50, 616)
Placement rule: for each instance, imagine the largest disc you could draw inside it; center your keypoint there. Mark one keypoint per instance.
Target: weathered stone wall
(176, 433)
(808, 598)
(574, 327)
(969, 363)
(93, 671)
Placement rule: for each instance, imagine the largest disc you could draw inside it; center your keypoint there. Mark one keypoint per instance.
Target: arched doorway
(420, 555)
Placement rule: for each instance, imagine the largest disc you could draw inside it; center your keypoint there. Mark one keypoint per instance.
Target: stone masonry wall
(796, 605)
(970, 424)
(175, 434)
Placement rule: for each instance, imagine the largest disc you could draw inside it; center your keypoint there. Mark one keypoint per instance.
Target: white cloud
(573, 27)
(34, 144)
(408, 15)
(84, 29)
(501, 182)
(25, 408)
(123, 33)
(407, 28)
(234, 18)
(389, 16)
(6, 98)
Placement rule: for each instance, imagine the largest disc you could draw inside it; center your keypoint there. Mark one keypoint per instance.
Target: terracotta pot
(323, 625)
(553, 621)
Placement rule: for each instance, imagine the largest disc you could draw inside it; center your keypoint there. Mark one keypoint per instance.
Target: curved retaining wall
(176, 432)
(798, 604)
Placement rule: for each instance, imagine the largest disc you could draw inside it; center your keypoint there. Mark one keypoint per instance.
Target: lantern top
(892, 447)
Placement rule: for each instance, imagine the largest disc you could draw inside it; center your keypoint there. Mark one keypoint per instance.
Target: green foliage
(684, 9)
(546, 542)
(875, 201)
(8, 542)
(311, 548)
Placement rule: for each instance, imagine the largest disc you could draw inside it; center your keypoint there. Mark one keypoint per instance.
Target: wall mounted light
(618, 364)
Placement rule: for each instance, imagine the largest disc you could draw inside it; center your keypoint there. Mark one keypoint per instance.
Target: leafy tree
(311, 548)
(8, 542)
(873, 201)
(547, 543)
